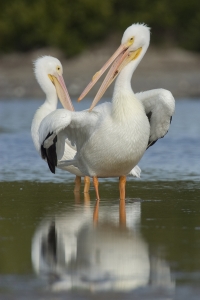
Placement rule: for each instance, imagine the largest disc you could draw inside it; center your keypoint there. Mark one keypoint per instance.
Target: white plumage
(159, 105)
(48, 72)
(111, 139)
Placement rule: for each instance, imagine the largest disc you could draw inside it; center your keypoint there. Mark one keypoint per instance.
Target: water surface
(50, 247)
(175, 157)
(49, 244)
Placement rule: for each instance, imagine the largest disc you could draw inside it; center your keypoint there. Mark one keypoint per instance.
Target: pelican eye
(131, 40)
(58, 68)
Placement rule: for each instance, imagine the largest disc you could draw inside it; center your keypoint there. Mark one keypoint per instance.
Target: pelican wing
(63, 126)
(159, 105)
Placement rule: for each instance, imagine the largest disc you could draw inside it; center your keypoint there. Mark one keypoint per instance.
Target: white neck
(48, 88)
(46, 108)
(124, 100)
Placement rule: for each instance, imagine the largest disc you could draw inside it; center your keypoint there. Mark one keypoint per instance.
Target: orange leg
(96, 213)
(96, 185)
(77, 184)
(86, 184)
(122, 213)
(122, 185)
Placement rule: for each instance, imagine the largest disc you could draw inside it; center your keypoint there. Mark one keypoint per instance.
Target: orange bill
(120, 62)
(122, 48)
(62, 91)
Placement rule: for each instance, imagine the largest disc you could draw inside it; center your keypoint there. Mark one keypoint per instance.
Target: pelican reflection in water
(110, 255)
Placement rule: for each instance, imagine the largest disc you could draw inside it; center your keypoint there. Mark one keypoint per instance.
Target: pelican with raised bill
(48, 72)
(111, 138)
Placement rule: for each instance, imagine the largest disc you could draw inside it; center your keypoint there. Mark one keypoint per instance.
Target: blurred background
(83, 33)
(39, 212)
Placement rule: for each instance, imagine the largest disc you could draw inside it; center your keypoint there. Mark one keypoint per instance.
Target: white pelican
(48, 72)
(112, 138)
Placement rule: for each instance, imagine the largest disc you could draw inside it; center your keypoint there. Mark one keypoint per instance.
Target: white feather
(42, 67)
(111, 139)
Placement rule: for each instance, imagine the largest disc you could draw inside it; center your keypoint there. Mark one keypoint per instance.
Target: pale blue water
(175, 157)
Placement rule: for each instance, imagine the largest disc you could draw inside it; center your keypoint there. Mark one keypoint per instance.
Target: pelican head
(134, 44)
(136, 35)
(49, 74)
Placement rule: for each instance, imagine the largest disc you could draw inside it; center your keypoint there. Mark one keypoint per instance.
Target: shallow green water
(50, 246)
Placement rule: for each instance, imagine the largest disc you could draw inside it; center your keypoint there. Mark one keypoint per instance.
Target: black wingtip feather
(50, 154)
(151, 144)
(149, 116)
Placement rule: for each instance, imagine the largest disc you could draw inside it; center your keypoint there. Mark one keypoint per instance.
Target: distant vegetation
(73, 25)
